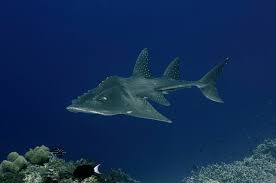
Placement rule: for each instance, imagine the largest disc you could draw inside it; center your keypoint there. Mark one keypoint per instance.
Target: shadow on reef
(39, 165)
(260, 167)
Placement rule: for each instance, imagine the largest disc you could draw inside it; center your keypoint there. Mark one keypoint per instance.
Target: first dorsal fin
(141, 68)
(173, 70)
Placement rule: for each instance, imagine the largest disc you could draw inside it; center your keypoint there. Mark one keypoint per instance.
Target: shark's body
(129, 96)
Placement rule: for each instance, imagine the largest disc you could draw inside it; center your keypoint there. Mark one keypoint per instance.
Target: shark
(133, 95)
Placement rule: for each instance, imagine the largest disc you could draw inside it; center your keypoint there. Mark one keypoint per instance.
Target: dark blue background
(52, 51)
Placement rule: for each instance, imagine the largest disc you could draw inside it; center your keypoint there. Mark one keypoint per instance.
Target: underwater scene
(108, 91)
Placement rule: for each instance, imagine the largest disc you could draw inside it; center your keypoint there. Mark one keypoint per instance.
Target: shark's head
(105, 99)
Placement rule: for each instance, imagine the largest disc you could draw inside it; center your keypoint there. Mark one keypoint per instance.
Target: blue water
(52, 51)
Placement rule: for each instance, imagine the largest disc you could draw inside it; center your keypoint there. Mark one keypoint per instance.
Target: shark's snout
(76, 108)
(72, 109)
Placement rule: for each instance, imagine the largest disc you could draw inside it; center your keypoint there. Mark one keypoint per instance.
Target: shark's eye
(102, 99)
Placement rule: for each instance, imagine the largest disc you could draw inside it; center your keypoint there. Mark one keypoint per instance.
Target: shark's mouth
(85, 110)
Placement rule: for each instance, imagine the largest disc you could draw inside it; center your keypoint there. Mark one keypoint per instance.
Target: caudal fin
(208, 82)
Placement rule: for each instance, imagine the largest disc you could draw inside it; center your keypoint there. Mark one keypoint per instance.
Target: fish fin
(211, 92)
(141, 108)
(159, 98)
(141, 68)
(209, 89)
(96, 169)
(173, 69)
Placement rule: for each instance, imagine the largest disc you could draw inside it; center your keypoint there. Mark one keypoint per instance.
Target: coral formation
(13, 164)
(118, 176)
(43, 166)
(260, 167)
(8, 166)
(12, 156)
(91, 179)
(38, 155)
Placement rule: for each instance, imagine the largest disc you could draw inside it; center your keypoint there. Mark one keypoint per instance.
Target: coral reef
(118, 176)
(43, 166)
(260, 167)
(13, 164)
(38, 155)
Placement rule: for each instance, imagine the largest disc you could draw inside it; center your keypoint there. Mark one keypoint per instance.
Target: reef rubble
(40, 165)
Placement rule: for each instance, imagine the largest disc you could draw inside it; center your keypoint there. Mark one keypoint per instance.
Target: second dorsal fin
(141, 68)
(173, 70)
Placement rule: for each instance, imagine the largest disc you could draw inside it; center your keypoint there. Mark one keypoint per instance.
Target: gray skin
(129, 96)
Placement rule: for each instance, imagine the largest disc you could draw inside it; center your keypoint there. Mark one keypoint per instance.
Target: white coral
(90, 180)
(258, 168)
(33, 177)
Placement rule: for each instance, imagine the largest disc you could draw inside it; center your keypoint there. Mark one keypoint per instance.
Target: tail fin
(208, 82)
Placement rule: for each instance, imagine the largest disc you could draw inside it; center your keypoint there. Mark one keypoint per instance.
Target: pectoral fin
(141, 108)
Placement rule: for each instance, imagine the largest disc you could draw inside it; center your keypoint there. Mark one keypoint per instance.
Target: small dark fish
(86, 170)
(58, 152)
(201, 149)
